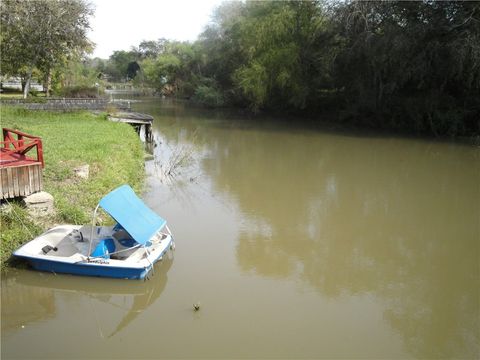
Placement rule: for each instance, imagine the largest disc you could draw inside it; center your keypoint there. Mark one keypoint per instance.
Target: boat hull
(88, 269)
(67, 254)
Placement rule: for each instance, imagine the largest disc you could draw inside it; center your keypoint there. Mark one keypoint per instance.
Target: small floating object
(196, 306)
(127, 250)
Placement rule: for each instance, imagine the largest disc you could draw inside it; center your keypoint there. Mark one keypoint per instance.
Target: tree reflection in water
(33, 290)
(397, 219)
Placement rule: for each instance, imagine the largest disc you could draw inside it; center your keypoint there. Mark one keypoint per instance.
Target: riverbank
(113, 152)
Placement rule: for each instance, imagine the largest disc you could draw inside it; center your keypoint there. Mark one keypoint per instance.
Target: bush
(35, 100)
(80, 92)
(208, 96)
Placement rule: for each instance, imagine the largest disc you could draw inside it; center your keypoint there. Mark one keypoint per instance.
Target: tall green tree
(411, 64)
(42, 34)
(176, 70)
(151, 48)
(118, 64)
(269, 54)
(285, 53)
(221, 50)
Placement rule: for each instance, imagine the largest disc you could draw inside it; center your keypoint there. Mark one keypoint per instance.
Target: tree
(411, 64)
(132, 69)
(151, 49)
(118, 64)
(269, 54)
(221, 48)
(176, 70)
(42, 34)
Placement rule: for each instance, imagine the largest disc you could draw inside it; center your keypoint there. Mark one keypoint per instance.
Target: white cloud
(121, 24)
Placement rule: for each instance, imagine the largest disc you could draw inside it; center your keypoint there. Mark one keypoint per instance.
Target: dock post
(148, 132)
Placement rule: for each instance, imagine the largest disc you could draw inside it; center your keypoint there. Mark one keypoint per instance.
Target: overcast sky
(121, 24)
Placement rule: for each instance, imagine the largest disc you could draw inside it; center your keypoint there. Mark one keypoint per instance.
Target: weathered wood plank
(131, 117)
(36, 185)
(33, 176)
(16, 189)
(25, 187)
(30, 177)
(39, 178)
(3, 182)
(10, 183)
(25, 181)
(21, 188)
(20, 180)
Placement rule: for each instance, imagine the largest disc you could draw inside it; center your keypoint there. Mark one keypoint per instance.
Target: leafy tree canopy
(42, 34)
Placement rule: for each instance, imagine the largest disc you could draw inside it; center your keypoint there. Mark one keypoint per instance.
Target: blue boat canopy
(125, 207)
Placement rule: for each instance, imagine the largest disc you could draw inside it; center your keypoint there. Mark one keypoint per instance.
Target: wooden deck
(20, 175)
(137, 120)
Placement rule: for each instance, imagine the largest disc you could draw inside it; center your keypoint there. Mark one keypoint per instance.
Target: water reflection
(352, 217)
(24, 304)
(395, 219)
(34, 296)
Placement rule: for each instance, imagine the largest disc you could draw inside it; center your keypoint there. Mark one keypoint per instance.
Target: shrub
(80, 92)
(208, 96)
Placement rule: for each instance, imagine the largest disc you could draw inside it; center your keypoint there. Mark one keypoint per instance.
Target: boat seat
(64, 249)
(124, 239)
(104, 248)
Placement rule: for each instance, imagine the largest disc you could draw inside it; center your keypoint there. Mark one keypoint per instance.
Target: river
(296, 242)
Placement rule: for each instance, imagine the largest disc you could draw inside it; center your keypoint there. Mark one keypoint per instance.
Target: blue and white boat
(127, 250)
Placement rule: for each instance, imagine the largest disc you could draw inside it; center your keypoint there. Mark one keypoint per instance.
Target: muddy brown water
(296, 243)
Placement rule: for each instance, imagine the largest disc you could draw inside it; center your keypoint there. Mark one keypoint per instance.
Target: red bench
(16, 145)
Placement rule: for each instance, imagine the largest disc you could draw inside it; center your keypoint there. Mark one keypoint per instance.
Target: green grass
(12, 95)
(16, 227)
(9, 93)
(113, 151)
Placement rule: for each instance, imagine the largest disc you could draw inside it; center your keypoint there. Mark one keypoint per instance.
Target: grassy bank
(113, 151)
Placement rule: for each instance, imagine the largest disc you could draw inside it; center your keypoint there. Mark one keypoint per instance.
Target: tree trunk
(48, 83)
(27, 83)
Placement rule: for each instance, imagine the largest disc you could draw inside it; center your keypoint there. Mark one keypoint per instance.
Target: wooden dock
(137, 120)
(20, 175)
